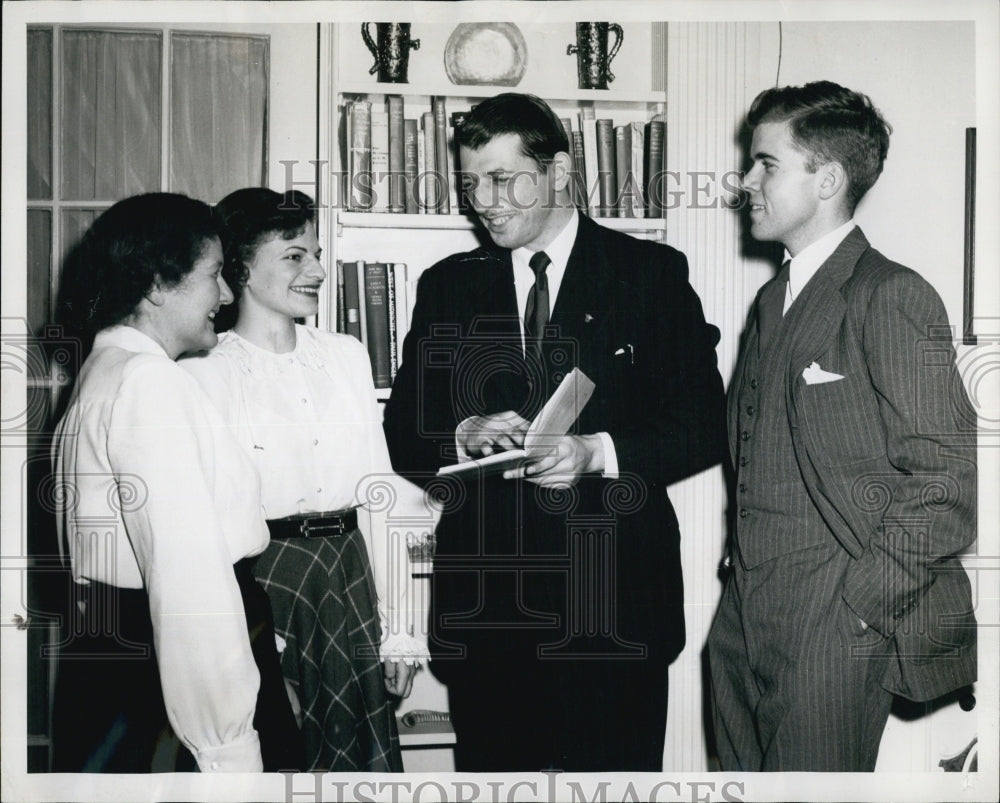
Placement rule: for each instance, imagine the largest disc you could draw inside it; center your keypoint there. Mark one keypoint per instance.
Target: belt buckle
(317, 530)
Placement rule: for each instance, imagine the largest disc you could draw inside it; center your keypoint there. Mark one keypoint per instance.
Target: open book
(552, 422)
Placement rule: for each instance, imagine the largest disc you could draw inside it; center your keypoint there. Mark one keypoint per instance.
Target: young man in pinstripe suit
(854, 447)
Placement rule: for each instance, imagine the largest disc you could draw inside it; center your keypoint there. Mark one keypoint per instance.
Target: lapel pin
(587, 317)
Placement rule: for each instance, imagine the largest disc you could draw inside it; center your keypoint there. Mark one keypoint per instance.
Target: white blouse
(154, 492)
(311, 422)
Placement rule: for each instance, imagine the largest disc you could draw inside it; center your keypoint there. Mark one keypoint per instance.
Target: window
(112, 113)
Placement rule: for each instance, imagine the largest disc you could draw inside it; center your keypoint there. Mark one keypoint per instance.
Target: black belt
(314, 525)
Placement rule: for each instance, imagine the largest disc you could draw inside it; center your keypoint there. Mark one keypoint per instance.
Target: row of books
(400, 165)
(374, 302)
(411, 165)
(618, 168)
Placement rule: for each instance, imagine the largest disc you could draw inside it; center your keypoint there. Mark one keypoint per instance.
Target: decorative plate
(486, 53)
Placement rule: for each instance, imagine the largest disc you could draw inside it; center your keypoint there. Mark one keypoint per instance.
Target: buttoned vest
(773, 507)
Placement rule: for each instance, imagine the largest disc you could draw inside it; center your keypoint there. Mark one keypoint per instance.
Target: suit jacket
(887, 454)
(627, 317)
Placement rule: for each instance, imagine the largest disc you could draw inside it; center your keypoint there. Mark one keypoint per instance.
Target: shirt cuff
(241, 755)
(404, 647)
(610, 456)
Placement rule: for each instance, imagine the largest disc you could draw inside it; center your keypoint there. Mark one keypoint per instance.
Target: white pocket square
(814, 375)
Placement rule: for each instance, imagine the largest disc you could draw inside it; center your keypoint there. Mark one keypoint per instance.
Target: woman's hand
(398, 677)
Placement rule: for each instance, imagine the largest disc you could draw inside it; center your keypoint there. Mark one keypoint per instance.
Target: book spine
(588, 126)
(623, 169)
(654, 170)
(377, 322)
(638, 172)
(607, 178)
(390, 296)
(431, 179)
(347, 155)
(380, 161)
(361, 157)
(461, 201)
(441, 154)
(568, 129)
(579, 171)
(402, 322)
(397, 155)
(421, 191)
(452, 173)
(411, 195)
(341, 300)
(352, 300)
(359, 278)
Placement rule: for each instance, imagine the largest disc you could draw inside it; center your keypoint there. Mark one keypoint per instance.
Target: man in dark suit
(854, 447)
(557, 595)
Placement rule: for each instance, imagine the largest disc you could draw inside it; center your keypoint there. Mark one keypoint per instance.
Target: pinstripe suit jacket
(887, 454)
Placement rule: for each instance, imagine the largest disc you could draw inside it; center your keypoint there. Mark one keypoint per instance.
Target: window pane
(41, 543)
(75, 223)
(39, 266)
(110, 114)
(218, 114)
(40, 113)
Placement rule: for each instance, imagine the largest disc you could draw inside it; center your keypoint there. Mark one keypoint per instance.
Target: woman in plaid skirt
(302, 403)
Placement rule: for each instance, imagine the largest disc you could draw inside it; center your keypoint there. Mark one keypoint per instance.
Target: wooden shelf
(386, 220)
(608, 97)
(381, 220)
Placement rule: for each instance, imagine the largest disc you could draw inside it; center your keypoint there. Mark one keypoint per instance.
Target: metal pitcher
(593, 60)
(392, 53)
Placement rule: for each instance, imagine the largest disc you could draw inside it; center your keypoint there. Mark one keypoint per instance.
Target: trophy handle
(415, 44)
(619, 38)
(371, 46)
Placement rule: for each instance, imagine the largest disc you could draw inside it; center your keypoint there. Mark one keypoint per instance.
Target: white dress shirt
(158, 495)
(810, 259)
(558, 252)
(311, 422)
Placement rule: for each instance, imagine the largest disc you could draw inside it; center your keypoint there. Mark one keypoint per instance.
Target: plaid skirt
(323, 597)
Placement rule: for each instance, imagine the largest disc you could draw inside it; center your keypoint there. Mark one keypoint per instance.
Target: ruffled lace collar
(258, 361)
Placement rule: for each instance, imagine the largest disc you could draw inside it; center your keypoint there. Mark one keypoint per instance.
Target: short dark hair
(541, 131)
(831, 124)
(139, 242)
(249, 217)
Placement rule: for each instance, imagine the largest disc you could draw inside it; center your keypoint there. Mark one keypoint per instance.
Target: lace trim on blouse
(268, 365)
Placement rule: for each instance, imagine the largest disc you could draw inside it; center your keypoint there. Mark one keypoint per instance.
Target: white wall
(293, 113)
(921, 75)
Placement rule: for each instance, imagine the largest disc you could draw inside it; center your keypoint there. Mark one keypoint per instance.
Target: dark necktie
(771, 306)
(536, 311)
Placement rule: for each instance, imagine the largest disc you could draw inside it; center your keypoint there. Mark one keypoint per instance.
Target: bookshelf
(653, 228)
(420, 240)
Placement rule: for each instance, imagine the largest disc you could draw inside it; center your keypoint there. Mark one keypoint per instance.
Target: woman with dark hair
(303, 405)
(159, 515)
